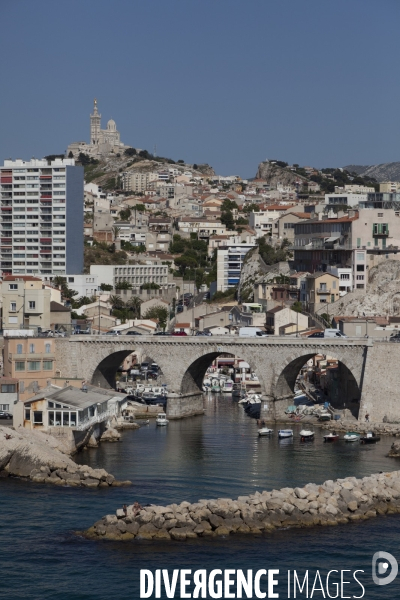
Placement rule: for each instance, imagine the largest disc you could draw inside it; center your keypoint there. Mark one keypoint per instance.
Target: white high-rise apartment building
(41, 225)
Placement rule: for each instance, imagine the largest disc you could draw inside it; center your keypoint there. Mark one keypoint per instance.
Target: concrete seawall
(331, 503)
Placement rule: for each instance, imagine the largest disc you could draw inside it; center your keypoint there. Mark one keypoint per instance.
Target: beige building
(283, 227)
(137, 181)
(31, 361)
(25, 303)
(283, 321)
(321, 289)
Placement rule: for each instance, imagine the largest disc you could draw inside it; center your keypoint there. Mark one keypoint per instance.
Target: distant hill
(383, 172)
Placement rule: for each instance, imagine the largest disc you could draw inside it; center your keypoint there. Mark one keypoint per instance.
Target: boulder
(110, 435)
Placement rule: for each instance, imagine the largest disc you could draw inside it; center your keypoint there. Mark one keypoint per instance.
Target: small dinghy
(370, 438)
(325, 416)
(265, 431)
(285, 433)
(351, 436)
(162, 419)
(306, 435)
(331, 437)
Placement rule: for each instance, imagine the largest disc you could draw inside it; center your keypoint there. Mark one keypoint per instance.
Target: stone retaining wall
(330, 503)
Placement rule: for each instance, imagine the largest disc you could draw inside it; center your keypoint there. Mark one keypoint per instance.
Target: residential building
(283, 226)
(263, 220)
(283, 320)
(204, 227)
(25, 302)
(247, 236)
(133, 274)
(31, 361)
(345, 199)
(8, 394)
(41, 223)
(230, 261)
(137, 181)
(389, 187)
(376, 327)
(322, 289)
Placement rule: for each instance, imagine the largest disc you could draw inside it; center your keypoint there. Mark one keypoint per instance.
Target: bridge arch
(348, 381)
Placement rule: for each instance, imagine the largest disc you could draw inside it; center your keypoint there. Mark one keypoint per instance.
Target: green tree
(125, 214)
(183, 262)
(297, 306)
(106, 287)
(228, 220)
(134, 303)
(115, 302)
(130, 152)
(123, 285)
(158, 312)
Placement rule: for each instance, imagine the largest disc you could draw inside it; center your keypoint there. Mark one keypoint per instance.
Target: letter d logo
(380, 568)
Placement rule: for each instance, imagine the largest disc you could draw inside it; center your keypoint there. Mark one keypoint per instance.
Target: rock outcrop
(382, 172)
(35, 455)
(330, 503)
(274, 174)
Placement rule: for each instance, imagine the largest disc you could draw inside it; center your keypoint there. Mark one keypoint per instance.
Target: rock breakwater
(36, 455)
(330, 503)
(363, 427)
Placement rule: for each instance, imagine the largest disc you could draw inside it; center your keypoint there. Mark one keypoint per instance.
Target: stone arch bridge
(372, 367)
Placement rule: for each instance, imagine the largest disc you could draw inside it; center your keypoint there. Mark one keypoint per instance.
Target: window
(358, 242)
(8, 388)
(47, 365)
(32, 304)
(38, 417)
(334, 285)
(34, 365)
(20, 366)
(360, 267)
(360, 286)
(13, 286)
(32, 348)
(4, 407)
(380, 215)
(19, 348)
(13, 306)
(27, 414)
(48, 348)
(13, 320)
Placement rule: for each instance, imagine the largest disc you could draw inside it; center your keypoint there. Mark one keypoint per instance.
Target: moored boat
(370, 438)
(226, 386)
(351, 436)
(162, 419)
(285, 433)
(325, 416)
(265, 431)
(331, 437)
(306, 435)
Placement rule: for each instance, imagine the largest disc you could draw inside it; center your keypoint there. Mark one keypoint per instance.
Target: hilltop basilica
(102, 141)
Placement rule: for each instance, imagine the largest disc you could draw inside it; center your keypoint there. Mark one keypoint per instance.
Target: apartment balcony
(45, 177)
(46, 240)
(6, 207)
(6, 180)
(44, 196)
(322, 290)
(29, 356)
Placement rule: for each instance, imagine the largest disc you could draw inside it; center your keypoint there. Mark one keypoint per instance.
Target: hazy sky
(228, 82)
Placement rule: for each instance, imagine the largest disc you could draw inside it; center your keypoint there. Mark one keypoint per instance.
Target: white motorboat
(226, 386)
(306, 434)
(265, 431)
(215, 385)
(162, 419)
(351, 436)
(206, 385)
(285, 433)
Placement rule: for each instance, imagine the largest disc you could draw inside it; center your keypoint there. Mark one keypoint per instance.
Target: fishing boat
(331, 437)
(265, 431)
(285, 433)
(370, 438)
(162, 419)
(215, 385)
(207, 385)
(226, 386)
(306, 435)
(351, 436)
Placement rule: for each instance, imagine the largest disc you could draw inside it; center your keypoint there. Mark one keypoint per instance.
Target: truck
(249, 331)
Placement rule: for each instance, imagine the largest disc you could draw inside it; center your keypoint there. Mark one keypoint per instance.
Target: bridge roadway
(368, 375)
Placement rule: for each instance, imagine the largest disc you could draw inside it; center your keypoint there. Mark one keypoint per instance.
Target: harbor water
(218, 455)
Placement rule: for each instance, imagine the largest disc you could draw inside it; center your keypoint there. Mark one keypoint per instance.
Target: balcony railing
(322, 290)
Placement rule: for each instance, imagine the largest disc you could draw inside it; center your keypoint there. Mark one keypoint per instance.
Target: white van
(330, 333)
(249, 331)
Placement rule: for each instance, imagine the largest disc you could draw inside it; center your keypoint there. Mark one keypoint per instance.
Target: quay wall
(331, 503)
(187, 405)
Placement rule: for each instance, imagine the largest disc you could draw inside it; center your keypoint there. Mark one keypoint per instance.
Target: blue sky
(228, 82)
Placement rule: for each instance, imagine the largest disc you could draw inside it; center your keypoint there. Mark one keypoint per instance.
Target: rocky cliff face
(382, 297)
(383, 172)
(274, 174)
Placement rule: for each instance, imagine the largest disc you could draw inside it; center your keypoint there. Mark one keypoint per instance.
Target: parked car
(5, 415)
(112, 333)
(132, 333)
(179, 308)
(203, 333)
(262, 334)
(328, 333)
(162, 333)
(178, 333)
(317, 334)
(395, 338)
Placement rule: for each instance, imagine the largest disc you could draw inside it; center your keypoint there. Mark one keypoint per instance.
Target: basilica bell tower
(95, 123)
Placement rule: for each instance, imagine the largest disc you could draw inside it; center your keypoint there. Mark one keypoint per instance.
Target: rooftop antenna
(155, 150)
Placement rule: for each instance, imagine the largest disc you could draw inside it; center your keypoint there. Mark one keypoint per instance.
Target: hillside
(106, 172)
(382, 297)
(274, 174)
(383, 172)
